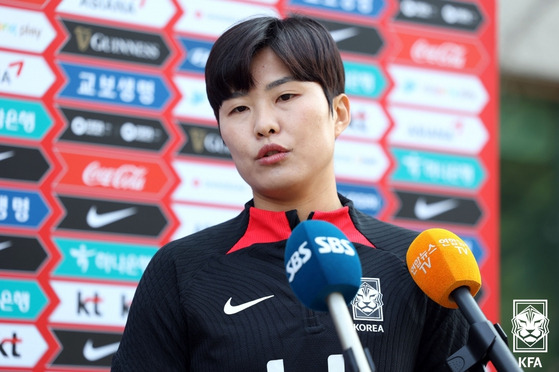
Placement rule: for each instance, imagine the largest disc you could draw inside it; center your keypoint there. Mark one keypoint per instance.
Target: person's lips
(271, 154)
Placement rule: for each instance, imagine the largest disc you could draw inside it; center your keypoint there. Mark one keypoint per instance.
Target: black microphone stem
(499, 353)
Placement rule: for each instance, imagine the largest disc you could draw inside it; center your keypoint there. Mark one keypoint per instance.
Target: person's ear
(341, 112)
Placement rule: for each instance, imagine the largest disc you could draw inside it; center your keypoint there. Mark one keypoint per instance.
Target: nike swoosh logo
(234, 309)
(344, 34)
(5, 245)
(6, 155)
(94, 354)
(96, 220)
(425, 211)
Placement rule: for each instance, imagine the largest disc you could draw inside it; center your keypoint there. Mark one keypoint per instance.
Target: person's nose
(265, 123)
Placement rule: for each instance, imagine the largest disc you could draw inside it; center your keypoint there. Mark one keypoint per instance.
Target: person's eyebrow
(279, 82)
(269, 86)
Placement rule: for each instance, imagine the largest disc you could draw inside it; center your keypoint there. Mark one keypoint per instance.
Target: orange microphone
(440, 262)
(445, 269)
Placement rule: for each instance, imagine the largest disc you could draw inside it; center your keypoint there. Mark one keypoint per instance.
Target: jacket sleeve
(154, 336)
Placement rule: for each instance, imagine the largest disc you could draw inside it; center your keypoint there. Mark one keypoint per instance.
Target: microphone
(324, 271)
(445, 269)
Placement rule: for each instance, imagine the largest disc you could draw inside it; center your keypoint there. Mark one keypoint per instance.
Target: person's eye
(286, 97)
(239, 109)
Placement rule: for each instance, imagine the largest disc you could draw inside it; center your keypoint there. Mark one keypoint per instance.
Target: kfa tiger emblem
(367, 304)
(530, 326)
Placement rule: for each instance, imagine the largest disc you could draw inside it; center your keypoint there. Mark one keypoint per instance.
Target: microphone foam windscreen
(320, 260)
(439, 262)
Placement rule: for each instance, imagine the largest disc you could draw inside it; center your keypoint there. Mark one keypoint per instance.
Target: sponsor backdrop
(108, 147)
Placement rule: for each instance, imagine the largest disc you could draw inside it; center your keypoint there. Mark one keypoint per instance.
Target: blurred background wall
(529, 129)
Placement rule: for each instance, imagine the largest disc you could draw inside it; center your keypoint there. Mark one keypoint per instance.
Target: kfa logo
(530, 326)
(367, 304)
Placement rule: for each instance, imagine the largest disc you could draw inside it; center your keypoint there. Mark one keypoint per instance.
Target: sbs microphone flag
(320, 260)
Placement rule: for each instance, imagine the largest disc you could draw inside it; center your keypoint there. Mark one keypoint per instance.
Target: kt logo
(8, 346)
(89, 305)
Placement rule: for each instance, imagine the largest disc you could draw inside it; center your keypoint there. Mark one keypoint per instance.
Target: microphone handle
(346, 331)
(499, 353)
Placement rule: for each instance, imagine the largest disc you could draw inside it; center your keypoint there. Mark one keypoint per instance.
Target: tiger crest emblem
(530, 326)
(367, 304)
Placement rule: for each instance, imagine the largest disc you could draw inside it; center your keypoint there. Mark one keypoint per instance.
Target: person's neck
(304, 205)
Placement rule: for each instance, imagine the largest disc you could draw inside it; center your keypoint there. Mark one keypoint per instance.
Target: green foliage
(530, 211)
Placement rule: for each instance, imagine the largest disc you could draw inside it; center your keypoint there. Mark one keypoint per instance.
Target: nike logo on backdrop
(344, 33)
(94, 354)
(6, 155)
(234, 309)
(5, 245)
(96, 220)
(425, 211)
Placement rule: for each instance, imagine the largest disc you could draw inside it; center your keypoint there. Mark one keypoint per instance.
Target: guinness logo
(115, 43)
(83, 37)
(203, 140)
(197, 136)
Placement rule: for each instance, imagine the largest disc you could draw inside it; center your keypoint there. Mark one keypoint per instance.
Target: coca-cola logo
(124, 177)
(98, 173)
(440, 51)
(446, 54)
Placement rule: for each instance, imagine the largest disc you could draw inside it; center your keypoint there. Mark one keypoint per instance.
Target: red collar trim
(340, 218)
(269, 226)
(263, 227)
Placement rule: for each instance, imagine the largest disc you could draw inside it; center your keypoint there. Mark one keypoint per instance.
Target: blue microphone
(324, 271)
(320, 260)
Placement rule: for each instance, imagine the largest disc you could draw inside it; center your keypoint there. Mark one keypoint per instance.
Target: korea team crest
(530, 326)
(367, 304)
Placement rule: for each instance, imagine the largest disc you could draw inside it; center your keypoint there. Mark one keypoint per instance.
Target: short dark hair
(302, 44)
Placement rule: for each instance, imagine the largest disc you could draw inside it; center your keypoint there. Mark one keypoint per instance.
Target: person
(219, 299)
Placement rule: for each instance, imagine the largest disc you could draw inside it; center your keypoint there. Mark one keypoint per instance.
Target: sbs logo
(326, 244)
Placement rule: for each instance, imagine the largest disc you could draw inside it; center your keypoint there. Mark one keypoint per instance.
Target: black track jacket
(219, 300)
